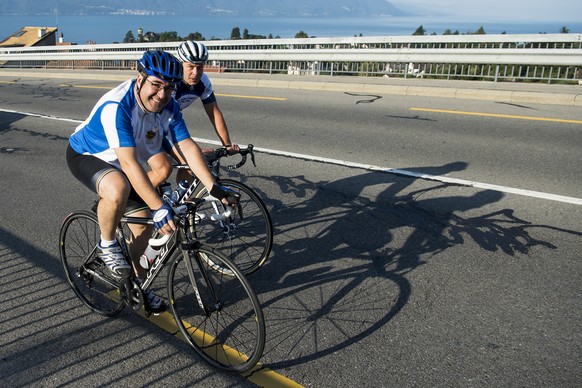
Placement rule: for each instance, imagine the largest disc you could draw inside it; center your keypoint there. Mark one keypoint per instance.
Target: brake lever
(252, 152)
(239, 211)
(239, 206)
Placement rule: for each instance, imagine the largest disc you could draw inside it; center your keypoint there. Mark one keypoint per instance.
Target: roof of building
(29, 36)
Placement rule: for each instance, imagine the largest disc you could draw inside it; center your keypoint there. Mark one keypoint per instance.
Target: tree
(564, 30)
(129, 38)
(420, 31)
(235, 33)
(195, 36)
(301, 34)
(169, 36)
(480, 31)
(245, 34)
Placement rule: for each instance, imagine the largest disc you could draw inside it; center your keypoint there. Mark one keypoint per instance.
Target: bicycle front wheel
(88, 277)
(219, 315)
(247, 241)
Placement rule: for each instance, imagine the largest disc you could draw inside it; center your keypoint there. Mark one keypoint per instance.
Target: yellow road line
(85, 86)
(255, 97)
(458, 112)
(218, 94)
(7, 82)
(260, 375)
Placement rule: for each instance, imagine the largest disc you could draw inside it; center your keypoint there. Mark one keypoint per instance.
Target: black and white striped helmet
(193, 52)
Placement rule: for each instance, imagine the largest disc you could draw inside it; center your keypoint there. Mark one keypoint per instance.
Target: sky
(501, 10)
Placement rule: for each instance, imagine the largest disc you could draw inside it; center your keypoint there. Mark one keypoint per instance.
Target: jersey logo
(150, 134)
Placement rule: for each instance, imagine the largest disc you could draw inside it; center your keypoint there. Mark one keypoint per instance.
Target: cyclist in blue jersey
(109, 150)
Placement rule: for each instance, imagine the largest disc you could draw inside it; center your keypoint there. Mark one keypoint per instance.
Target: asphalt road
(376, 279)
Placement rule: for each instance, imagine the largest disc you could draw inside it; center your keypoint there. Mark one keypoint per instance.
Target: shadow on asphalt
(340, 259)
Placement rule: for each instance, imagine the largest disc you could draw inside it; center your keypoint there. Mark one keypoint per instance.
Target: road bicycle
(246, 237)
(218, 312)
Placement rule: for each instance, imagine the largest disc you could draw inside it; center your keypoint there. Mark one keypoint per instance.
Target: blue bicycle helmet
(162, 65)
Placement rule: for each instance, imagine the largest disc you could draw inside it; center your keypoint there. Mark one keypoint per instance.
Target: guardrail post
(496, 74)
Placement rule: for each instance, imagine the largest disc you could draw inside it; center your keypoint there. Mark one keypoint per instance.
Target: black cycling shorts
(89, 170)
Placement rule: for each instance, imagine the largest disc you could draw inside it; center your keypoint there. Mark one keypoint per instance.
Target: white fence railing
(539, 57)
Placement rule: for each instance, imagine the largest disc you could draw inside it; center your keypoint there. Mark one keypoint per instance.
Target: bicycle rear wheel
(246, 242)
(89, 278)
(228, 330)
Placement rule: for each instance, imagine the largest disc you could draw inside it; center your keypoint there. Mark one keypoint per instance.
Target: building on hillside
(33, 36)
(151, 37)
(62, 42)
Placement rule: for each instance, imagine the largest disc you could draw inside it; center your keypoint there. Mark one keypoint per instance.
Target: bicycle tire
(246, 242)
(89, 279)
(230, 333)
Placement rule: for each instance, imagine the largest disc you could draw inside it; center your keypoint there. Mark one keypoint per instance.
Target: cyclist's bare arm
(219, 123)
(191, 153)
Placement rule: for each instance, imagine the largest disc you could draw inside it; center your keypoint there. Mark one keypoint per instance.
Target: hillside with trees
(287, 8)
(172, 36)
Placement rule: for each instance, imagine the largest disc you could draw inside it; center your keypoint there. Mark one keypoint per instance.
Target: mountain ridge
(272, 8)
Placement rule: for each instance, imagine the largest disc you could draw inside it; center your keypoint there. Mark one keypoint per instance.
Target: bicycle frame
(214, 165)
(224, 324)
(179, 237)
(166, 249)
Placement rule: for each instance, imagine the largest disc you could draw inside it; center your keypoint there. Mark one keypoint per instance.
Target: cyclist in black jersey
(195, 85)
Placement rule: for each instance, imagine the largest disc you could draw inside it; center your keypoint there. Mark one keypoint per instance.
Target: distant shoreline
(105, 29)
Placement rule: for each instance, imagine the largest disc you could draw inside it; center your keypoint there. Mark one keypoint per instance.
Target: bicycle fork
(187, 254)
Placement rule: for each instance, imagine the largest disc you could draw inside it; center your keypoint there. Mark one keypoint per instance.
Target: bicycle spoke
(90, 280)
(229, 332)
(247, 241)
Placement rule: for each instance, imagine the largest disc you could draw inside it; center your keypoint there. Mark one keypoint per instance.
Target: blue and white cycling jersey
(186, 94)
(117, 120)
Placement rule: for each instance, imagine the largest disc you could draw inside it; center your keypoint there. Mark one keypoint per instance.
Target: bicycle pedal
(148, 313)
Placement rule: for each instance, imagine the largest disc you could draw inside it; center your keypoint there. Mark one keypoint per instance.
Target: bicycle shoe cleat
(113, 258)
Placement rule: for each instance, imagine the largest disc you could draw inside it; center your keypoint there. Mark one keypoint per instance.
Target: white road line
(41, 116)
(438, 178)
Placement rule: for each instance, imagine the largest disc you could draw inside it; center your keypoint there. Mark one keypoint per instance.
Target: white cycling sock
(106, 243)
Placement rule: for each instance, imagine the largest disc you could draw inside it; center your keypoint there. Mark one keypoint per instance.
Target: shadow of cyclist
(342, 252)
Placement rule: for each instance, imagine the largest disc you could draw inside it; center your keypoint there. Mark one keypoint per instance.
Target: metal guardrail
(534, 57)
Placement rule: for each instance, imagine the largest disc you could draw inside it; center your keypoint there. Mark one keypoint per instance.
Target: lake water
(108, 29)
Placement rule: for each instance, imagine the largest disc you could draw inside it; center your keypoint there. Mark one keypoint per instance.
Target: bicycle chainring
(136, 298)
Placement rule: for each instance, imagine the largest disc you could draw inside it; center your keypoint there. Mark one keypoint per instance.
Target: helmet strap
(138, 87)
